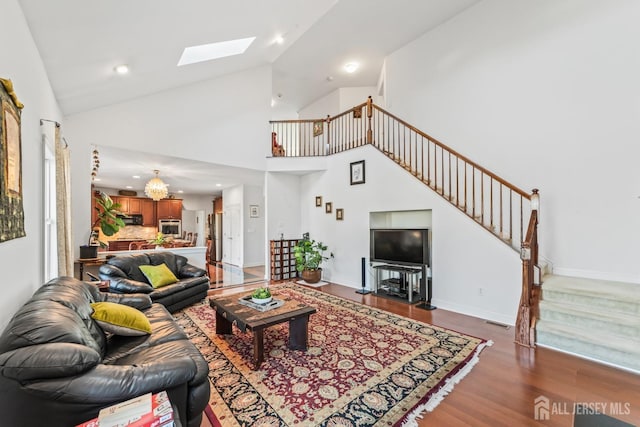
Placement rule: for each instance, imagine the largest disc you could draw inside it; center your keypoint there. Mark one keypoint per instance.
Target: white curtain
(63, 207)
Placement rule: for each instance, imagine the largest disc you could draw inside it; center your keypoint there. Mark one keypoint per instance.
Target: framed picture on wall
(254, 212)
(339, 214)
(318, 201)
(328, 207)
(357, 172)
(317, 128)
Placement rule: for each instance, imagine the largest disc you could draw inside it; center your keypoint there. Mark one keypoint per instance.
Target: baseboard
(470, 311)
(598, 275)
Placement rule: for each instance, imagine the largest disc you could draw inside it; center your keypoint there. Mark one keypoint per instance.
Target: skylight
(207, 52)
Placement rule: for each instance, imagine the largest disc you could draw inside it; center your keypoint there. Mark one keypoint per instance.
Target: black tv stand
(403, 286)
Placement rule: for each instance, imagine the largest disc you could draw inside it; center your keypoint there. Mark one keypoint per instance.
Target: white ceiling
(81, 42)
(118, 166)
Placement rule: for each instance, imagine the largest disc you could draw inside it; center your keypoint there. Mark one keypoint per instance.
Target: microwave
(170, 227)
(133, 219)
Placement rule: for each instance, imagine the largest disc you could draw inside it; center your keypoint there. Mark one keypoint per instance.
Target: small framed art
(318, 201)
(317, 128)
(339, 214)
(254, 211)
(357, 172)
(328, 207)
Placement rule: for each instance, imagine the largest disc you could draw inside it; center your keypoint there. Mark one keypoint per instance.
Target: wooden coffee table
(230, 312)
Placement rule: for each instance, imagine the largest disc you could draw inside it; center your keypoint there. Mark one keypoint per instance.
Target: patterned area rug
(363, 366)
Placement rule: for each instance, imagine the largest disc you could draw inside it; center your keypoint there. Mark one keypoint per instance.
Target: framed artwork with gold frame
(328, 207)
(317, 128)
(318, 201)
(11, 208)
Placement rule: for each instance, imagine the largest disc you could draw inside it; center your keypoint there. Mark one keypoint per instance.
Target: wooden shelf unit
(283, 262)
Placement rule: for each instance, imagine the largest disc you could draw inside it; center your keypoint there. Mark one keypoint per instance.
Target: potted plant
(159, 241)
(309, 255)
(107, 220)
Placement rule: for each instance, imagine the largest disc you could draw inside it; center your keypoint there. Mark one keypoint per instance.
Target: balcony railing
(495, 204)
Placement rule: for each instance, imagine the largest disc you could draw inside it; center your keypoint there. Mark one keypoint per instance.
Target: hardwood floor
(500, 390)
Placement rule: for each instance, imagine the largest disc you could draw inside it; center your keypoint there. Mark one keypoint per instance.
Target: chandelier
(155, 188)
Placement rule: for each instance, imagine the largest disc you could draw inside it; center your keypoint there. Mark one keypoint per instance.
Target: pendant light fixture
(155, 188)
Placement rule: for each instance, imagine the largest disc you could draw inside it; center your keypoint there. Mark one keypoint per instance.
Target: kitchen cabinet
(124, 203)
(169, 209)
(94, 212)
(148, 211)
(120, 245)
(135, 205)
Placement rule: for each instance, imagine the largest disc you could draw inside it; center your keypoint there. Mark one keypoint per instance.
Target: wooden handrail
(489, 200)
(454, 152)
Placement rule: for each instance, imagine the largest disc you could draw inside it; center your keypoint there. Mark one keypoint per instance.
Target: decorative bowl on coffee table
(261, 300)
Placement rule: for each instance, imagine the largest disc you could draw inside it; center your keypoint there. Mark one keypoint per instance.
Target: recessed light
(273, 102)
(129, 187)
(329, 78)
(121, 69)
(207, 52)
(180, 191)
(97, 179)
(351, 67)
(218, 185)
(278, 40)
(136, 176)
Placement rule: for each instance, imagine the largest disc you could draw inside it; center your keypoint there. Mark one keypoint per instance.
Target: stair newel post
(330, 149)
(369, 115)
(525, 325)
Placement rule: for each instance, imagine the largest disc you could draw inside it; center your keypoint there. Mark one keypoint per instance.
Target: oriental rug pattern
(363, 366)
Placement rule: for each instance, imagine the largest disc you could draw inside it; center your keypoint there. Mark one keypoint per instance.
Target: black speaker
(363, 291)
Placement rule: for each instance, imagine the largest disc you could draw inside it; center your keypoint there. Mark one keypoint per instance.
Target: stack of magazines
(144, 411)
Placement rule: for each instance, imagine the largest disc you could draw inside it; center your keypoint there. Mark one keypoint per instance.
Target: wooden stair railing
(497, 205)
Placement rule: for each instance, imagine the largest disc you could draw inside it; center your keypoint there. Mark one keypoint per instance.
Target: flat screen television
(400, 246)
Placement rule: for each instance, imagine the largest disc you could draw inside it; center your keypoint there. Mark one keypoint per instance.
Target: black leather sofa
(125, 276)
(58, 367)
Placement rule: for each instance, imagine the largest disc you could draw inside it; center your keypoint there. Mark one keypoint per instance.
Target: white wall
(21, 260)
(465, 257)
(254, 228)
(282, 198)
(545, 94)
(225, 120)
(338, 101)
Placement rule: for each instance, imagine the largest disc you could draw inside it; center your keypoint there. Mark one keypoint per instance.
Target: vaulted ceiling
(81, 42)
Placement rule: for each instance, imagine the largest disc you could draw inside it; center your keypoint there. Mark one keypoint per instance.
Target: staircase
(596, 319)
(501, 208)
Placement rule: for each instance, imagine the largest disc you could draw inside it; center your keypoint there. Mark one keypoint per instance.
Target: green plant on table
(160, 239)
(261, 293)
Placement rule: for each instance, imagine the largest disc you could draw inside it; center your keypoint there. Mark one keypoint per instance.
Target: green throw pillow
(158, 275)
(120, 319)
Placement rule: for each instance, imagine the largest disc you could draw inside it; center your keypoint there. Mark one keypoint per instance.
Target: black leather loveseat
(125, 276)
(58, 367)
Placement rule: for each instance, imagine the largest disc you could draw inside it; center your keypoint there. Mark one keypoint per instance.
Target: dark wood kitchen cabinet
(124, 203)
(148, 211)
(169, 209)
(135, 205)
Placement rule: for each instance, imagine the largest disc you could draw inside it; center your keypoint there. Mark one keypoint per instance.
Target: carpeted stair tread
(602, 294)
(592, 316)
(606, 347)
(600, 288)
